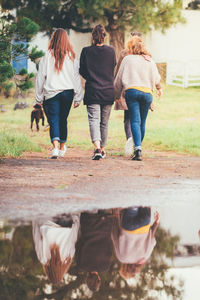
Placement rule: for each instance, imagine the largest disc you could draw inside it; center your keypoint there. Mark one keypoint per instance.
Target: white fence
(183, 74)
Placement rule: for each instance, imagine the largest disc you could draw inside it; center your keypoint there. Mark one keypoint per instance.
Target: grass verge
(13, 144)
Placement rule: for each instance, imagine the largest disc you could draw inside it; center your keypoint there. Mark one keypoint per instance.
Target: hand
(151, 107)
(76, 104)
(156, 217)
(159, 93)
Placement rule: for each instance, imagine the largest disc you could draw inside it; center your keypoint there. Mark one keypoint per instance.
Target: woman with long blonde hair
(58, 83)
(137, 76)
(133, 238)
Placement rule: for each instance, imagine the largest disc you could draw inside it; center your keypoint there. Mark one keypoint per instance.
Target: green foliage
(35, 54)
(7, 87)
(11, 30)
(66, 15)
(142, 15)
(23, 71)
(13, 144)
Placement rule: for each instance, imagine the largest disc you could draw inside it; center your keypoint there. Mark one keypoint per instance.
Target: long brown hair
(55, 268)
(136, 46)
(59, 45)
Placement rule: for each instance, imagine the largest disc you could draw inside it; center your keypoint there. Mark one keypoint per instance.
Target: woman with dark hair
(97, 63)
(137, 76)
(58, 83)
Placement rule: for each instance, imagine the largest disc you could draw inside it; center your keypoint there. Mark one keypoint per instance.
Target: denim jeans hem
(62, 141)
(55, 139)
(137, 148)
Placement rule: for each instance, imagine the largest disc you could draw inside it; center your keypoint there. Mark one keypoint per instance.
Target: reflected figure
(55, 244)
(94, 249)
(133, 238)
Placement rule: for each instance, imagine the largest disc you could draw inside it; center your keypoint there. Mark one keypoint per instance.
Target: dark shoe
(97, 154)
(103, 153)
(137, 155)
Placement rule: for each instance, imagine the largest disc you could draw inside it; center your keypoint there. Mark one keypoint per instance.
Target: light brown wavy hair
(136, 46)
(55, 268)
(60, 46)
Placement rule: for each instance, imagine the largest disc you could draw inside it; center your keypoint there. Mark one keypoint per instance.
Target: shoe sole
(97, 157)
(138, 159)
(54, 157)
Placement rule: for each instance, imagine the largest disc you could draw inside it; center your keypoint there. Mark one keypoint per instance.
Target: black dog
(36, 115)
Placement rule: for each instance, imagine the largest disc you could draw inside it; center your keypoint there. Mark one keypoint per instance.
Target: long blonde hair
(136, 46)
(55, 268)
(59, 45)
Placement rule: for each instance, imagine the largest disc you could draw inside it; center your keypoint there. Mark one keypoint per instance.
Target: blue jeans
(135, 217)
(57, 110)
(138, 104)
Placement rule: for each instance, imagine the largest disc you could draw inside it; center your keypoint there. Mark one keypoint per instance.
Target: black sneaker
(103, 153)
(137, 155)
(97, 154)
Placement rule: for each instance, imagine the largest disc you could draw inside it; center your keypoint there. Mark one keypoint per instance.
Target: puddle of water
(115, 253)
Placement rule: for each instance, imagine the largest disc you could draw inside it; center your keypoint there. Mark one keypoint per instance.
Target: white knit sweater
(49, 82)
(136, 71)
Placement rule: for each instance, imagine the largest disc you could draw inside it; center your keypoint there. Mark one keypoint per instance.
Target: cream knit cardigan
(136, 71)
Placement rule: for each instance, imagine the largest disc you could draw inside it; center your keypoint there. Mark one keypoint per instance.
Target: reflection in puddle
(120, 253)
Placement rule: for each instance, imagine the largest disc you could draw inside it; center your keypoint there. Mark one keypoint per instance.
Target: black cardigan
(97, 65)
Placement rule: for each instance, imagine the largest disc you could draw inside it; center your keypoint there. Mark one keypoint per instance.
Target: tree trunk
(117, 41)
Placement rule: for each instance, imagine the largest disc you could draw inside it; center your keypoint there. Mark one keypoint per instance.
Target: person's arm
(83, 67)
(78, 90)
(156, 223)
(158, 85)
(40, 80)
(122, 55)
(118, 81)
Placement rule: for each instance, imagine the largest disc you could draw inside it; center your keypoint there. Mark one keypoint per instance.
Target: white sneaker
(61, 153)
(54, 153)
(128, 149)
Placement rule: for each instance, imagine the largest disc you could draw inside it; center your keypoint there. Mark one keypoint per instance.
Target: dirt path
(35, 185)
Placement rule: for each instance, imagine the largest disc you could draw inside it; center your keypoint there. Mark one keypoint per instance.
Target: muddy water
(95, 239)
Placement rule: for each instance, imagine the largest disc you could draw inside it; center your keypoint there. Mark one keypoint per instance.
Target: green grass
(13, 144)
(173, 126)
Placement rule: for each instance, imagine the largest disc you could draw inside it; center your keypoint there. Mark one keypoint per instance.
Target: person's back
(139, 71)
(94, 249)
(99, 66)
(97, 63)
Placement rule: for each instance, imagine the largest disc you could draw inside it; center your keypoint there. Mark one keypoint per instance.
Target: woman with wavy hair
(58, 83)
(137, 76)
(133, 238)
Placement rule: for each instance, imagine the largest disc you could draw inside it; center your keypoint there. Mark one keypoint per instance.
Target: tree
(10, 31)
(121, 15)
(49, 14)
(118, 16)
